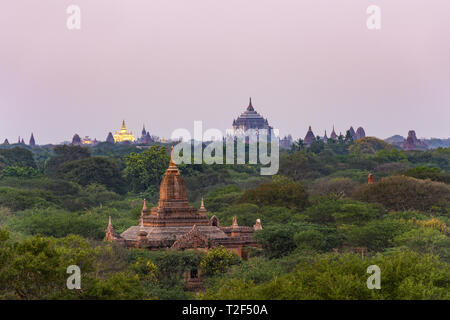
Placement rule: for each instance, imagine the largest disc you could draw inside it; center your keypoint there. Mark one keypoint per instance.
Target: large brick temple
(175, 224)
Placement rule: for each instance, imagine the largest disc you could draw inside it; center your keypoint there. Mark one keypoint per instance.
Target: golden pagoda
(123, 135)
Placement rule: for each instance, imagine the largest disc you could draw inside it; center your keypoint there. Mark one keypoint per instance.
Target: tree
(290, 195)
(17, 157)
(423, 172)
(36, 268)
(147, 168)
(276, 240)
(405, 275)
(426, 240)
(63, 154)
(405, 193)
(317, 146)
(376, 235)
(297, 145)
(22, 172)
(341, 211)
(369, 145)
(338, 187)
(217, 261)
(93, 170)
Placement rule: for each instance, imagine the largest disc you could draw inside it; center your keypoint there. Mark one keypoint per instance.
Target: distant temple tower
(309, 138)
(6, 142)
(110, 138)
(124, 135)
(370, 180)
(352, 133)
(76, 140)
(325, 138)
(250, 119)
(32, 142)
(145, 137)
(333, 134)
(360, 133)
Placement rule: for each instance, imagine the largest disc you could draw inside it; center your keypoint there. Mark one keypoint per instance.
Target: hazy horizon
(166, 64)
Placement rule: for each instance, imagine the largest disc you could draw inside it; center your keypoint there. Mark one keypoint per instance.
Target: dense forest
(323, 224)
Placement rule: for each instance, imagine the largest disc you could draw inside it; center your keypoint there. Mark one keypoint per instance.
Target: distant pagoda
(360, 133)
(76, 140)
(124, 135)
(309, 138)
(32, 142)
(145, 137)
(250, 119)
(333, 134)
(110, 138)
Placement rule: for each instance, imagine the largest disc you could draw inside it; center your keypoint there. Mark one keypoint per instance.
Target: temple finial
(202, 206)
(172, 163)
(250, 105)
(144, 207)
(109, 221)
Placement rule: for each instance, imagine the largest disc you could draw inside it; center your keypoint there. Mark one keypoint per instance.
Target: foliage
(341, 211)
(23, 172)
(405, 275)
(93, 170)
(433, 173)
(16, 157)
(44, 261)
(338, 187)
(217, 261)
(63, 154)
(277, 240)
(376, 235)
(17, 199)
(147, 168)
(290, 195)
(405, 193)
(369, 145)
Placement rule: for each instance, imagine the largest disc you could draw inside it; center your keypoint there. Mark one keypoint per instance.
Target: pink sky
(167, 63)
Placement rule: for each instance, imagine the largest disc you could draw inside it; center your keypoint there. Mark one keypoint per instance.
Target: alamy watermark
(374, 281)
(73, 281)
(263, 147)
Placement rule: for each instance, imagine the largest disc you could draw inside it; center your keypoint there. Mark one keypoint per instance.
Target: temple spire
(250, 106)
(144, 207)
(202, 209)
(172, 163)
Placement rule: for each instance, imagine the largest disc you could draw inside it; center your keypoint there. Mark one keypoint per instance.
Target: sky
(168, 63)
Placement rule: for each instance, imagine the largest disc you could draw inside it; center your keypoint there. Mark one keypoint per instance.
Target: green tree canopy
(290, 195)
(369, 145)
(93, 170)
(147, 168)
(63, 154)
(405, 193)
